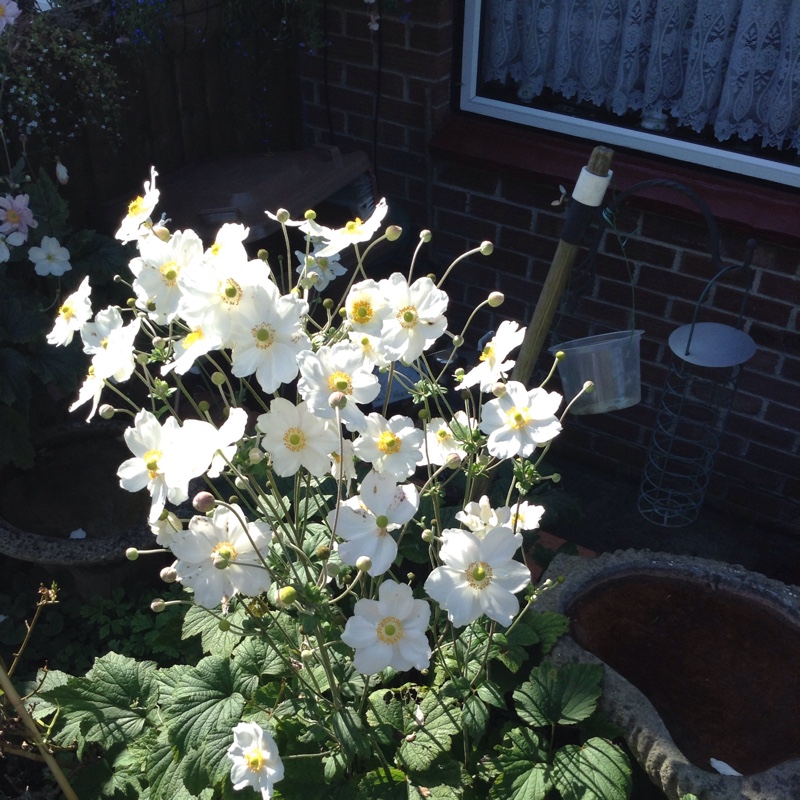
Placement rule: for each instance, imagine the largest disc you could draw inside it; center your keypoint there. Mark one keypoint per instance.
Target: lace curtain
(731, 64)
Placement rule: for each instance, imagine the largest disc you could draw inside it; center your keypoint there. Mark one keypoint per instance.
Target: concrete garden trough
(702, 662)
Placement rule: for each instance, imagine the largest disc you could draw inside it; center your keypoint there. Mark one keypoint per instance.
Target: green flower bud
(588, 387)
(168, 574)
(328, 304)
(157, 606)
(310, 214)
(487, 248)
(203, 502)
(263, 254)
(204, 405)
(363, 563)
(423, 414)
(218, 379)
(496, 299)
(132, 554)
(282, 216)
(425, 235)
(224, 625)
(106, 411)
(393, 233)
(287, 595)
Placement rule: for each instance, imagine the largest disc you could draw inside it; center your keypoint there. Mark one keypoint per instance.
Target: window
(712, 82)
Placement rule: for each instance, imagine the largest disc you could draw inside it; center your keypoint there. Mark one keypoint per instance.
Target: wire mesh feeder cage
(707, 359)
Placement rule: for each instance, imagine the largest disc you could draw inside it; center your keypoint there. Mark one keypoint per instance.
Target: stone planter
(701, 661)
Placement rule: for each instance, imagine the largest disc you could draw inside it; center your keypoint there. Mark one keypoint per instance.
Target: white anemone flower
(267, 336)
(218, 556)
(50, 258)
(445, 441)
(520, 420)
(479, 576)
(367, 308)
(525, 516)
(255, 758)
(229, 242)
(343, 462)
(479, 517)
(165, 527)
(417, 316)
(73, 313)
(365, 522)
(295, 438)
(157, 269)
(139, 211)
(341, 368)
(392, 446)
(188, 349)
(389, 631)
(325, 269)
(492, 366)
(354, 232)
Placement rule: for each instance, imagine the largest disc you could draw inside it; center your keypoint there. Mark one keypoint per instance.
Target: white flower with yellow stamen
(520, 420)
(218, 556)
(392, 446)
(492, 366)
(255, 759)
(341, 368)
(74, 312)
(229, 243)
(157, 269)
(139, 211)
(367, 308)
(365, 522)
(353, 232)
(343, 462)
(479, 576)
(267, 336)
(296, 438)
(389, 631)
(188, 349)
(417, 316)
(325, 269)
(444, 441)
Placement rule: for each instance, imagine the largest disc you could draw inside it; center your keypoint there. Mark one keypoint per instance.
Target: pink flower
(15, 214)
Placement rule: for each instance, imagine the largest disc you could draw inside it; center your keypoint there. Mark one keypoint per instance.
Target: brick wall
(401, 77)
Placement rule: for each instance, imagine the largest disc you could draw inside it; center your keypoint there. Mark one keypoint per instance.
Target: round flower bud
(106, 411)
(337, 400)
(499, 389)
(306, 653)
(150, 305)
(224, 625)
(256, 455)
(432, 276)
(588, 387)
(159, 342)
(130, 302)
(132, 554)
(62, 175)
(310, 214)
(393, 233)
(363, 563)
(142, 358)
(322, 551)
(162, 233)
(382, 520)
(204, 405)
(453, 461)
(263, 254)
(169, 574)
(556, 477)
(425, 235)
(423, 414)
(309, 279)
(203, 502)
(240, 483)
(328, 304)
(560, 355)
(287, 595)
(220, 561)
(282, 215)
(427, 535)
(157, 606)
(496, 299)
(218, 379)
(487, 248)
(458, 341)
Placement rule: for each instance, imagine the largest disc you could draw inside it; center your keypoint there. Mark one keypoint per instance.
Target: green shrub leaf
(559, 696)
(521, 768)
(598, 770)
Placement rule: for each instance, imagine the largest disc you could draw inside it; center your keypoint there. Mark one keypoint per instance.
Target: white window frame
(603, 133)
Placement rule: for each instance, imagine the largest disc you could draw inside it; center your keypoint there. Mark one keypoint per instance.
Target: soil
(721, 670)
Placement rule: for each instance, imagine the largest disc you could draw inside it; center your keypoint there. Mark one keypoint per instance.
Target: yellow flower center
(390, 630)
(294, 439)
(479, 574)
(224, 550)
(408, 316)
(12, 216)
(230, 292)
(341, 382)
(264, 336)
(518, 417)
(389, 443)
(443, 435)
(215, 248)
(136, 207)
(169, 272)
(104, 343)
(254, 759)
(354, 226)
(151, 459)
(488, 353)
(66, 312)
(191, 339)
(361, 312)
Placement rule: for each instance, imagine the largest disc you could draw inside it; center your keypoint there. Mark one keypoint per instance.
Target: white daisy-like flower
(343, 462)
(96, 332)
(14, 239)
(492, 366)
(187, 350)
(294, 438)
(139, 211)
(417, 316)
(525, 516)
(445, 441)
(325, 269)
(73, 313)
(255, 758)
(479, 517)
(157, 269)
(479, 576)
(218, 556)
(354, 232)
(392, 446)
(372, 347)
(341, 368)
(365, 522)
(165, 527)
(367, 308)
(229, 242)
(389, 631)
(267, 336)
(50, 258)
(520, 420)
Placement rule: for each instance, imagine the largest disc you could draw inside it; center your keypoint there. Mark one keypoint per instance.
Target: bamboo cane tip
(600, 161)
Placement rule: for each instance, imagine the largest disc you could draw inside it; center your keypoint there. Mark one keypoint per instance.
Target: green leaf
(377, 785)
(15, 386)
(598, 770)
(350, 734)
(491, 694)
(426, 740)
(252, 659)
(204, 703)
(111, 703)
(64, 366)
(21, 317)
(549, 626)
(520, 764)
(445, 780)
(200, 622)
(98, 256)
(385, 716)
(559, 696)
(475, 717)
(163, 771)
(49, 208)
(208, 765)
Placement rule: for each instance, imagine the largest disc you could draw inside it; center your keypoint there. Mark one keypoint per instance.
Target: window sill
(765, 211)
